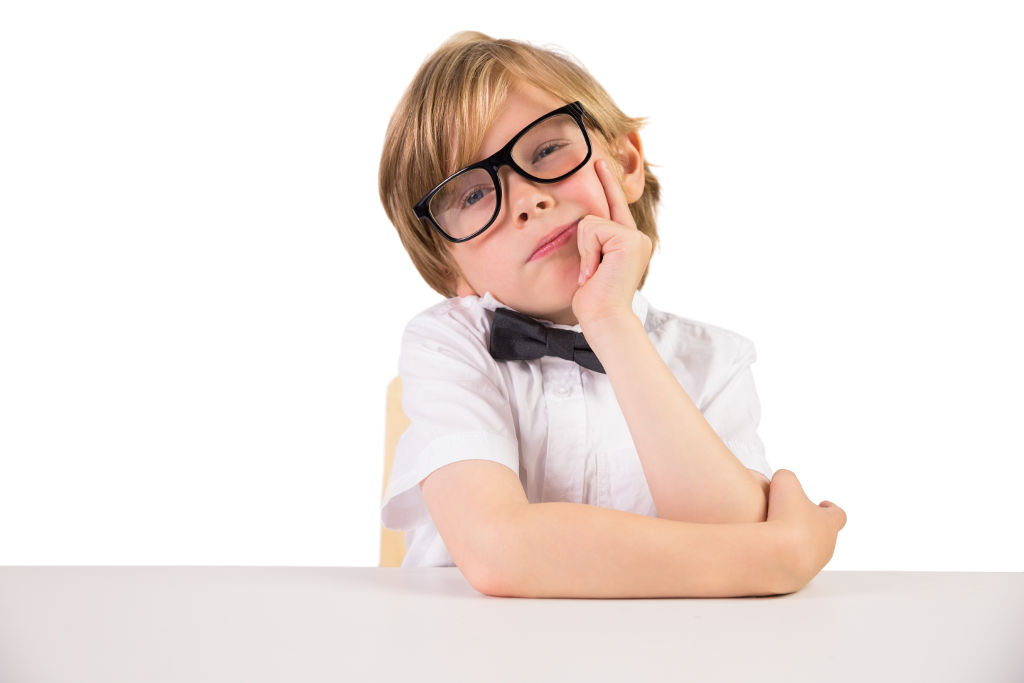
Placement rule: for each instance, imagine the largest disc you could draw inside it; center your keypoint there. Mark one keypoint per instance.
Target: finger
(590, 248)
(618, 207)
(835, 510)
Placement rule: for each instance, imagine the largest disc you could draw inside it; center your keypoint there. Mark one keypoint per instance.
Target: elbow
(482, 581)
(491, 566)
(745, 503)
(739, 511)
(753, 505)
(759, 511)
(488, 582)
(752, 508)
(487, 572)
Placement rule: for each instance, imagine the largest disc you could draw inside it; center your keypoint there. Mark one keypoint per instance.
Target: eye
(548, 148)
(475, 195)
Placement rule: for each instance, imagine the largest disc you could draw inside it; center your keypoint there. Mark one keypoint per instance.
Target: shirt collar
(640, 307)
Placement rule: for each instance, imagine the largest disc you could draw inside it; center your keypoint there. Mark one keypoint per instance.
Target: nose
(524, 198)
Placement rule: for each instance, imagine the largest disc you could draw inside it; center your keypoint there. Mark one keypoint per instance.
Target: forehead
(523, 105)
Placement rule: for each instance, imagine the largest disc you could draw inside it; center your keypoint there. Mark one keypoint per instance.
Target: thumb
(837, 512)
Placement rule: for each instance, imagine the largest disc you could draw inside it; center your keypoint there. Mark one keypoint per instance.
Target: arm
(508, 547)
(691, 473)
(763, 482)
(586, 551)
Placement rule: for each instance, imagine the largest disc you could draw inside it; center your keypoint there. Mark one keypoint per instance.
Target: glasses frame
(503, 157)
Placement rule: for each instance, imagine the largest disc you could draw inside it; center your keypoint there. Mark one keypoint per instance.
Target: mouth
(553, 241)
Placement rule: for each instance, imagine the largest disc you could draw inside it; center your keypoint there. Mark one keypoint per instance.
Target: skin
(498, 260)
(591, 280)
(693, 476)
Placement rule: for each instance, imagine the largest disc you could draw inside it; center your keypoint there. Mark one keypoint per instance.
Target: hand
(613, 257)
(809, 531)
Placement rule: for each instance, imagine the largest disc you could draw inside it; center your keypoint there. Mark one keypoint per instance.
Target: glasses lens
(551, 148)
(464, 204)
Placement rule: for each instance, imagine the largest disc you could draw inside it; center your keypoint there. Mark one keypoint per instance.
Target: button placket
(564, 467)
(593, 387)
(562, 378)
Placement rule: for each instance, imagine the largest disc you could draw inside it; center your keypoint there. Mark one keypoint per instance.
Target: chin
(559, 298)
(557, 310)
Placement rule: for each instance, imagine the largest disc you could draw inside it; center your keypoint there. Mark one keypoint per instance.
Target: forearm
(691, 473)
(570, 550)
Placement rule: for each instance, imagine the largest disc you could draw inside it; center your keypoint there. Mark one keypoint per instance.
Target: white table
(304, 625)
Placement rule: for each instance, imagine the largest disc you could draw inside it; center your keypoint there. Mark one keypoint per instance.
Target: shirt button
(563, 390)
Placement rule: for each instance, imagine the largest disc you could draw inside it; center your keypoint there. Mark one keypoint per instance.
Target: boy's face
(506, 260)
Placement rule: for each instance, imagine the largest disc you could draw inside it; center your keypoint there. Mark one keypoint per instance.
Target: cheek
(587, 191)
(484, 262)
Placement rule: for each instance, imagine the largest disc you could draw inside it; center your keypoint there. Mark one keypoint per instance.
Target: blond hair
(444, 114)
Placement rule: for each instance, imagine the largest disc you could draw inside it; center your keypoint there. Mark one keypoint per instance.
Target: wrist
(602, 331)
(784, 552)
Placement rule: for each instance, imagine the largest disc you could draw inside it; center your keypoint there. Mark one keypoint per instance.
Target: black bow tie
(515, 336)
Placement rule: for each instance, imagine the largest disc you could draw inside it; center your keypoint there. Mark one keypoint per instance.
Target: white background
(201, 299)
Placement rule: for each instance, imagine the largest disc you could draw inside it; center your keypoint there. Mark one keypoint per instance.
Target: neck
(566, 317)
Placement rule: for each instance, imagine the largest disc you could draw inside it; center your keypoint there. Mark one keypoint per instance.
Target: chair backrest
(392, 543)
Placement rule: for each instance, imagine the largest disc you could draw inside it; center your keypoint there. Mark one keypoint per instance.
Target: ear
(630, 155)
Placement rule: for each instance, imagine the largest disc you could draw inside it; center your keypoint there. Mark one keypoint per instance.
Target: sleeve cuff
(403, 506)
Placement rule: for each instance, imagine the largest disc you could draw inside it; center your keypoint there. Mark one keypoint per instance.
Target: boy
(553, 450)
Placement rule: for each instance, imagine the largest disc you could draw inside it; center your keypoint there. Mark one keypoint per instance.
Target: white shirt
(555, 424)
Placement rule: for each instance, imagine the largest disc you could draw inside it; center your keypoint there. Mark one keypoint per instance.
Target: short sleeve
(733, 409)
(454, 397)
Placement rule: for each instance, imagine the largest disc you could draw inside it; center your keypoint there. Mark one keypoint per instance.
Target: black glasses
(550, 149)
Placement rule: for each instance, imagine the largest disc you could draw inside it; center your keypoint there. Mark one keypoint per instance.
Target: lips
(553, 240)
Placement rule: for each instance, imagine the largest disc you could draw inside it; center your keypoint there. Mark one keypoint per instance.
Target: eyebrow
(514, 136)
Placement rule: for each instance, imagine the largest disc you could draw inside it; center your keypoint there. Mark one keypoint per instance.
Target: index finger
(618, 207)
